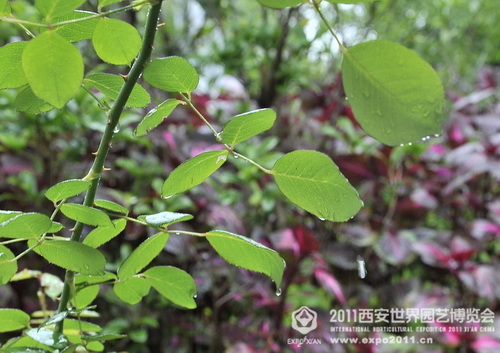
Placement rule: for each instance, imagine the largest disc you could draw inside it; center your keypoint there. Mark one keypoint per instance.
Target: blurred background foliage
(430, 227)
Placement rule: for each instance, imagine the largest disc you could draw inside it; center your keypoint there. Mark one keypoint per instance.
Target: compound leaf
(247, 125)
(172, 74)
(116, 42)
(73, 256)
(142, 255)
(86, 215)
(174, 284)
(312, 181)
(247, 253)
(53, 68)
(66, 189)
(110, 85)
(193, 172)
(25, 226)
(155, 116)
(395, 95)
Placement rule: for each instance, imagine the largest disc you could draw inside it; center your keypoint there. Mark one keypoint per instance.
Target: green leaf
(165, 218)
(25, 226)
(48, 337)
(247, 125)
(77, 31)
(27, 102)
(313, 182)
(66, 189)
(85, 295)
(132, 290)
(172, 74)
(73, 256)
(247, 253)
(395, 95)
(116, 42)
(155, 116)
(193, 172)
(11, 69)
(54, 8)
(23, 349)
(174, 284)
(6, 215)
(53, 68)
(142, 255)
(7, 269)
(86, 215)
(110, 86)
(5, 8)
(111, 206)
(103, 337)
(280, 4)
(13, 320)
(55, 227)
(102, 235)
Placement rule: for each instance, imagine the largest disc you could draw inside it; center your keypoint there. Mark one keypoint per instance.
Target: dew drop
(235, 156)
(321, 219)
(437, 135)
(221, 159)
(116, 129)
(167, 197)
(218, 137)
(195, 296)
(278, 292)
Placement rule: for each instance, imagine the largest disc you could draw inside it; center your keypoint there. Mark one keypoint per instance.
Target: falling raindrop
(361, 267)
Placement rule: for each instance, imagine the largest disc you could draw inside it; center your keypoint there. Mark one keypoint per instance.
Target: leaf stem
(315, 3)
(185, 232)
(187, 99)
(251, 161)
(105, 145)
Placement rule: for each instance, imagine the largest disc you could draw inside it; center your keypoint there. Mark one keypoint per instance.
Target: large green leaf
(247, 125)
(11, 69)
(73, 256)
(163, 219)
(102, 235)
(132, 290)
(76, 31)
(172, 74)
(115, 41)
(313, 182)
(247, 253)
(7, 269)
(110, 85)
(193, 172)
(155, 116)
(86, 215)
(86, 293)
(27, 102)
(6, 215)
(142, 255)
(280, 4)
(25, 226)
(395, 95)
(66, 189)
(174, 284)
(53, 68)
(13, 319)
(111, 206)
(55, 8)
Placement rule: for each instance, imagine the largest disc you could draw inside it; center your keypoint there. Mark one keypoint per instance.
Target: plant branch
(105, 144)
(197, 112)
(315, 3)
